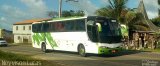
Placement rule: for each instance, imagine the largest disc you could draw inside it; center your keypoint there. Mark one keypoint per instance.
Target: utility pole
(60, 8)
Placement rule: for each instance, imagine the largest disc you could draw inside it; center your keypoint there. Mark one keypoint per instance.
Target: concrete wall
(22, 33)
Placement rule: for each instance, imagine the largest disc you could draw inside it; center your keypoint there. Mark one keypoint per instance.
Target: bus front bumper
(108, 51)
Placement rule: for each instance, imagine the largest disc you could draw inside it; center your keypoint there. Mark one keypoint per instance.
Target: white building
(22, 30)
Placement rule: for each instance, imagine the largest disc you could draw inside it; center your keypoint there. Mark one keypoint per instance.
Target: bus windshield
(104, 30)
(110, 31)
(110, 28)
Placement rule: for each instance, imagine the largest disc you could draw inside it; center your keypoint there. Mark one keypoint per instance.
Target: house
(22, 30)
(140, 39)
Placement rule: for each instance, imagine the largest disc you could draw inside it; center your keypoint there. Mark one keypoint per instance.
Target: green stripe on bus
(50, 40)
(37, 37)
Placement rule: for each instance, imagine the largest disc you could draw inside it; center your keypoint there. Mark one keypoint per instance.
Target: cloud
(35, 9)
(104, 2)
(2, 19)
(151, 8)
(86, 5)
(4, 23)
(16, 12)
(12, 15)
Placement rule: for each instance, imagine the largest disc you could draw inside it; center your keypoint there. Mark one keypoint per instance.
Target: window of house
(29, 27)
(23, 27)
(16, 27)
(19, 37)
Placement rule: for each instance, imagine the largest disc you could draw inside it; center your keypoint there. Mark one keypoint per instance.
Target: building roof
(31, 21)
(141, 9)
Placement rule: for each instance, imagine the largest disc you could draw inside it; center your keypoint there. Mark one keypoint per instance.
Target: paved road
(126, 58)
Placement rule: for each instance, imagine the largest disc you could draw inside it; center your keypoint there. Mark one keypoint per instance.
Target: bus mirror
(99, 27)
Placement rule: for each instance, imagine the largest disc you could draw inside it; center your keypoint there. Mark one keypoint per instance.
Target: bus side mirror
(99, 27)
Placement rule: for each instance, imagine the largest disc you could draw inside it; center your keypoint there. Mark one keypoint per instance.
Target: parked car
(3, 42)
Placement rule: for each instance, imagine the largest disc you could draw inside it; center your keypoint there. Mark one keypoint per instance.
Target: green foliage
(66, 13)
(72, 13)
(104, 12)
(52, 14)
(117, 6)
(156, 21)
(116, 9)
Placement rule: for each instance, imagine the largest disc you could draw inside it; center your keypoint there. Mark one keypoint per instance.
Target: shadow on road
(124, 52)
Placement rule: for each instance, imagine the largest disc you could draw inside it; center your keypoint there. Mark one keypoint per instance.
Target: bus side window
(81, 25)
(56, 26)
(45, 27)
(68, 26)
(34, 28)
(59, 27)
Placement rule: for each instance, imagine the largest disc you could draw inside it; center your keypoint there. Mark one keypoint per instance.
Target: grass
(14, 57)
(152, 50)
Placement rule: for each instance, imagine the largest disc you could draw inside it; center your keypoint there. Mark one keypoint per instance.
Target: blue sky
(12, 11)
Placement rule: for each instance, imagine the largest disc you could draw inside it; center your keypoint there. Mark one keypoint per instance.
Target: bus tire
(82, 51)
(43, 48)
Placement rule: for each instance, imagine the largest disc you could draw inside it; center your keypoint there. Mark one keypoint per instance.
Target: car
(3, 42)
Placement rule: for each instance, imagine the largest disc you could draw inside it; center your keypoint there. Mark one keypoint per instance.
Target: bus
(91, 34)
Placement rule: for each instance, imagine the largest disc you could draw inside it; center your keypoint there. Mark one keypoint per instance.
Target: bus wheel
(81, 50)
(43, 47)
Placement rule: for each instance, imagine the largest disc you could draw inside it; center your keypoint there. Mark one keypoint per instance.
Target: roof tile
(31, 21)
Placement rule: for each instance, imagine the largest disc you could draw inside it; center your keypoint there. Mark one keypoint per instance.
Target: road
(126, 58)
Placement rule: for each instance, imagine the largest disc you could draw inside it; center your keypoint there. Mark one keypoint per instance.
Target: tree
(66, 13)
(52, 14)
(72, 13)
(79, 13)
(116, 9)
(156, 21)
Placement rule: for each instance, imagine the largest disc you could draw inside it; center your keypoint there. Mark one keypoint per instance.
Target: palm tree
(128, 17)
(115, 9)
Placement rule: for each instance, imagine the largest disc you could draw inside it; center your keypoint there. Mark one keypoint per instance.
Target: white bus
(92, 34)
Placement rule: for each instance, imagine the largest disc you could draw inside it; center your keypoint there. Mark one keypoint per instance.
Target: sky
(12, 11)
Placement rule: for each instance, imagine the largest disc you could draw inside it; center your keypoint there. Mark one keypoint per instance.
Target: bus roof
(74, 18)
(69, 18)
(66, 18)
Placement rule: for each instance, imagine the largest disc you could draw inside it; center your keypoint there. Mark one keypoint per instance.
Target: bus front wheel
(81, 50)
